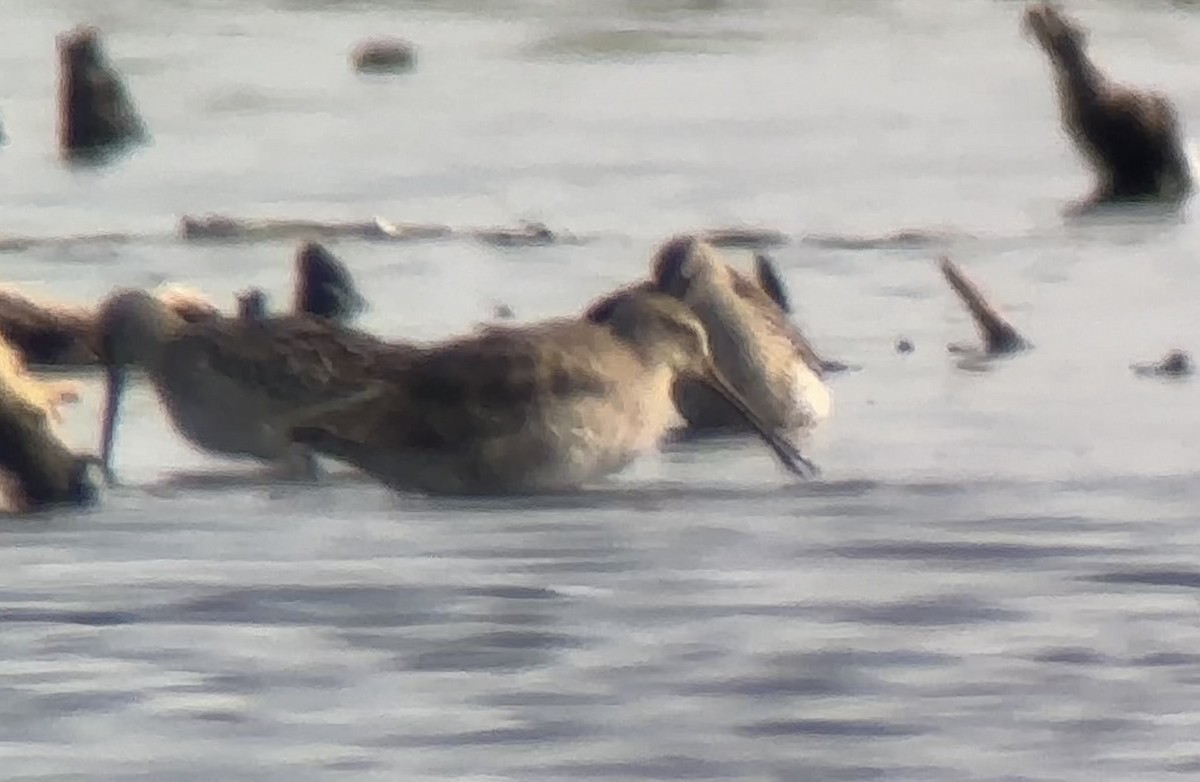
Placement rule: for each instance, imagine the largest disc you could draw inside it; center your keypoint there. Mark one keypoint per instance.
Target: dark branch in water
(1176, 364)
(324, 286)
(1132, 138)
(745, 238)
(223, 228)
(96, 116)
(384, 55)
(999, 336)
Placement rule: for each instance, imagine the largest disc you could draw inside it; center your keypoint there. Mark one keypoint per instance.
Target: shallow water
(996, 578)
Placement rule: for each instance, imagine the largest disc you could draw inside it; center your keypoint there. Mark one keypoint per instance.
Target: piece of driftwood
(999, 336)
(524, 234)
(223, 228)
(384, 55)
(53, 334)
(1131, 137)
(323, 289)
(1175, 364)
(46, 333)
(96, 116)
(904, 239)
(744, 238)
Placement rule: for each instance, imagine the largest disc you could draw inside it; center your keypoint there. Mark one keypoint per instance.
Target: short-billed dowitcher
(538, 408)
(61, 334)
(770, 282)
(36, 466)
(224, 380)
(763, 355)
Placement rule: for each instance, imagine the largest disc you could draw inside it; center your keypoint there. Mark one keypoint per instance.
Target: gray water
(995, 579)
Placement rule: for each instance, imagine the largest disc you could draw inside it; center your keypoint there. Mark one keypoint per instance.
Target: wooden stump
(96, 116)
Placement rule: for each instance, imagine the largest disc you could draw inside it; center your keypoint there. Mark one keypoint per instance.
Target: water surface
(995, 579)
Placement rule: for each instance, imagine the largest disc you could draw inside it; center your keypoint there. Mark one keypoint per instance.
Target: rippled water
(996, 578)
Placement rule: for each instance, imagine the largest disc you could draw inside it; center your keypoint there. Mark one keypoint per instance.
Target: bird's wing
(483, 386)
(288, 359)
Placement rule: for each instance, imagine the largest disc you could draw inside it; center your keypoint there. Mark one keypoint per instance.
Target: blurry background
(995, 580)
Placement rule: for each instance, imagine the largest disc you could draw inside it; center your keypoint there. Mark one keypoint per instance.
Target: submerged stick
(384, 55)
(324, 285)
(999, 336)
(96, 116)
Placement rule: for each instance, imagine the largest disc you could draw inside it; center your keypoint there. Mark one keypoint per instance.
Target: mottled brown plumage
(537, 408)
(46, 333)
(225, 380)
(754, 344)
(1132, 137)
(37, 468)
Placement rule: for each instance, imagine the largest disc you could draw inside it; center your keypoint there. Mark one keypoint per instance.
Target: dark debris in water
(384, 55)
(908, 239)
(223, 228)
(96, 117)
(1175, 364)
(999, 336)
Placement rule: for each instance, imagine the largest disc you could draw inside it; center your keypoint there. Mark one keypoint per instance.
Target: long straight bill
(112, 408)
(789, 455)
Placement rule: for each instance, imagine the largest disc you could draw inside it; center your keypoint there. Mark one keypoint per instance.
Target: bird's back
(759, 351)
(506, 409)
(225, 381)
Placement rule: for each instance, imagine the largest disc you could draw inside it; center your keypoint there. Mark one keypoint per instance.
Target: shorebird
(36, 467)
(60, 334)
(224, 380)
(764, 356)
(771, 283)
(544, 407)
